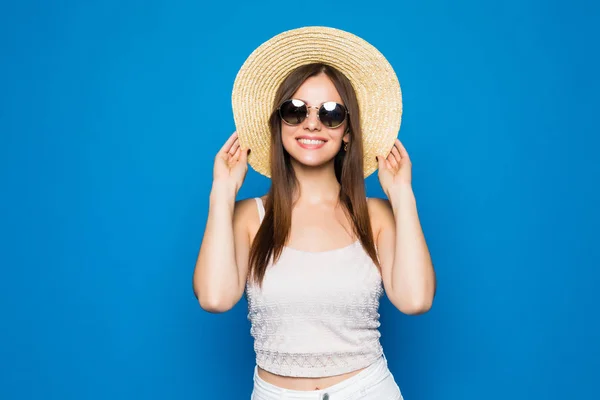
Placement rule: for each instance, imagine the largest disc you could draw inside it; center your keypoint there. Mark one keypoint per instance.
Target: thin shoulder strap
(261, 208)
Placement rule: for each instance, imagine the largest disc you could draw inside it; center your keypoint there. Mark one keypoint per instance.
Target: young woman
(314, 255)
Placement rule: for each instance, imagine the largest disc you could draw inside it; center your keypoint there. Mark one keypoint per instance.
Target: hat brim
(373, 79)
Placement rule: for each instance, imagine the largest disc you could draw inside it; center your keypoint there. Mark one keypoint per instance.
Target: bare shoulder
(245, 210)
(246, 216)
(379, 207)
(380, 213)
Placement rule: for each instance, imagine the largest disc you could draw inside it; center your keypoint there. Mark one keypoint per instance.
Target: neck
(317, 184)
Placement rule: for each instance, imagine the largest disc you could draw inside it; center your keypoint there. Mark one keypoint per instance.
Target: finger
(236, 155)
(244, 155)
(403, 152)
(381, 162)
(234, 147)
(392, 160)
(396, 154)
(228, 143)
(387, 163)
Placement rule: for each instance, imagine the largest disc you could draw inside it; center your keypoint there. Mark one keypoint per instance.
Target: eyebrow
(306, 102)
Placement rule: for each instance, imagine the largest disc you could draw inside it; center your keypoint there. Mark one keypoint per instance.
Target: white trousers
(374, 382)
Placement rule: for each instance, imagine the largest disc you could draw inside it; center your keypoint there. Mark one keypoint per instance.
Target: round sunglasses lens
(332, 114)
(293, 111)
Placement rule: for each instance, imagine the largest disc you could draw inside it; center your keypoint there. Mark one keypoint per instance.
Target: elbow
(213, 302)
(210, 300)
(416, 302)
(214, 305)
(414, 306)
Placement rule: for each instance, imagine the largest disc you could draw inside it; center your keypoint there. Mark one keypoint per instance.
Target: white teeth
(311, 141)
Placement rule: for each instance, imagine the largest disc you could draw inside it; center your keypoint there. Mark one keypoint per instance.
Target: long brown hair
(275, 228)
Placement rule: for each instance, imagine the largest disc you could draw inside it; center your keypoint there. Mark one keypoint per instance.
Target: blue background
(111, 113)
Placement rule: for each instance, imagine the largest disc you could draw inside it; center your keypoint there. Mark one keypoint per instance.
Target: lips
(311, 142)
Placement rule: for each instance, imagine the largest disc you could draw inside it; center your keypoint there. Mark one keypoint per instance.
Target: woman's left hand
(395, 170)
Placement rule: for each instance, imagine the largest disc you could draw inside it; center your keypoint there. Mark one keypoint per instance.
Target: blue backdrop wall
(111, 113)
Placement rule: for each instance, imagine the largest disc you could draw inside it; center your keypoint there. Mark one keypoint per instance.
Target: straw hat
(373, 78)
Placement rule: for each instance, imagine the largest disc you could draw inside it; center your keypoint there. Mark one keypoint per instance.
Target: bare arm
(407, 269)
(221, 267)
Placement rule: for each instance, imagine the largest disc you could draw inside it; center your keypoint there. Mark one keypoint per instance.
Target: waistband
(370, 376)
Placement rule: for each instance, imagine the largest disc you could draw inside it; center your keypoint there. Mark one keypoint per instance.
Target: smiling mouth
(311, 142)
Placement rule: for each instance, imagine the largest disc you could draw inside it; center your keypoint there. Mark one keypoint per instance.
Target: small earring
(346, 146)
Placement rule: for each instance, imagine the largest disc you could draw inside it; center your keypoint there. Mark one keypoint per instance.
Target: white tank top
(317, 312)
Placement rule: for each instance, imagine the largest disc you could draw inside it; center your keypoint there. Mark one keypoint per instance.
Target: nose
(312, 122)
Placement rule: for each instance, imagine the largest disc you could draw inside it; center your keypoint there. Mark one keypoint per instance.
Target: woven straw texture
(373, 78)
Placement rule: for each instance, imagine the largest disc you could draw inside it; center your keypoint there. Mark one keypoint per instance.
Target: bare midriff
(295, 383)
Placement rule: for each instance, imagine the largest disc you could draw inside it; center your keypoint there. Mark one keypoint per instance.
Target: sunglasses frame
(347, 113)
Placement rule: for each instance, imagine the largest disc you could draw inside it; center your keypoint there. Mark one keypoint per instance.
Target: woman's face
(311, 143)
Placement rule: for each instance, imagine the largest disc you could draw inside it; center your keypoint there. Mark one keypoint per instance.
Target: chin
(311, 158)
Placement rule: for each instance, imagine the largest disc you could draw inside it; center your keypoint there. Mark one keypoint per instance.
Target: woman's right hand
(231, 163)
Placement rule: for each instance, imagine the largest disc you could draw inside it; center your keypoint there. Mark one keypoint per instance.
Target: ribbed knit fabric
(317, 312)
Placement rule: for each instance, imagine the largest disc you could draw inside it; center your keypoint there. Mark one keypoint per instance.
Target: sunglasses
(330, 113)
